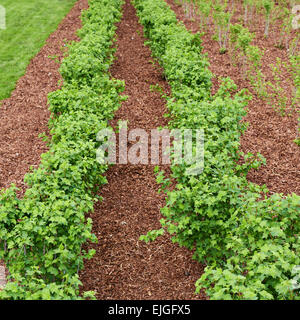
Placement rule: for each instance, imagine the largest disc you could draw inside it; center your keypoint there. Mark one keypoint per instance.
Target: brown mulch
(268, 133)
(25, 114)
(124, 267)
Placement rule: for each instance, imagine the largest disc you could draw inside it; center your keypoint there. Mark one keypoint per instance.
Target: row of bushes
(249, 242)
(42, 234)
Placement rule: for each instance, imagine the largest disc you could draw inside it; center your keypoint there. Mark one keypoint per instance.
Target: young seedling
(234, 32)
(222, 19)
(284, 15)
(240, 39)
(293, 46)
(248, 5)
(268, 6)
(254, 72)
(277, 96)
(204, 10)
(293, 67)
(54, 58)
(189, 8)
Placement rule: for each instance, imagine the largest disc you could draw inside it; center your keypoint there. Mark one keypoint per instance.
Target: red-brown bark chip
(124, 267)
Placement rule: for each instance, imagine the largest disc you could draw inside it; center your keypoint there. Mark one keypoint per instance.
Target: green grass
(28, 25)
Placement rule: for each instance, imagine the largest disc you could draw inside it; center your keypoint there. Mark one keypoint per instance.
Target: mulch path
(124, 267)
(25, 114)
(268, 133)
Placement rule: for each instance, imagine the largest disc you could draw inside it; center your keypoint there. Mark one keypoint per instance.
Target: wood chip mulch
(268, 133)
(124, 267)
(25, 114)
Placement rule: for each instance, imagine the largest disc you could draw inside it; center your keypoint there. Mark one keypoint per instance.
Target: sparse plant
(293, 67)
(277, 97)
(293, 46)
(204, 11)
(268, 5)
(248, 7)
(285, 16)
(240, 39)
(189, 8)
(221, 17)
(254, 72)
